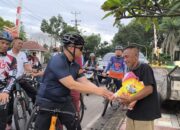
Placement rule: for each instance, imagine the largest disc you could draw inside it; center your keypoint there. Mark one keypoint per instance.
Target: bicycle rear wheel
(82, 107)
(20, 114)
(30, 125)
(106, 101)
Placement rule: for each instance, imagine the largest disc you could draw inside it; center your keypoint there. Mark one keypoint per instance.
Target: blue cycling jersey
(116, 64)
(58, 67)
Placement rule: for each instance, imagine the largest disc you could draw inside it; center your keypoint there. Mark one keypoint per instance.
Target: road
(94, 109)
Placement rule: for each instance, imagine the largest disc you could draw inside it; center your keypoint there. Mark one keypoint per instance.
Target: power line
(75, 20)
(13, 4)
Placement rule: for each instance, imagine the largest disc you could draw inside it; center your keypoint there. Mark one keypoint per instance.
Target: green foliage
(5, 23)
(54, 26)
(165, 59)
(47, 56)
(141, 8)
(22, 33)
(170, 28)
(134, 32)
(45, 46)
(104, 49)
(92, 42)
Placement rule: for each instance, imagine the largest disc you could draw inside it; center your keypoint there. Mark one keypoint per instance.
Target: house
(32, 46)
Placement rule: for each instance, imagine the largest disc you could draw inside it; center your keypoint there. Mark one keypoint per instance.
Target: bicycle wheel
(30, 125)
(96, 82)
(106, 101)
(81, 112)
(19, 110)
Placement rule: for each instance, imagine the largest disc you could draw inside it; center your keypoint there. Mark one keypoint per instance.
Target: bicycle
(22, 105)
(81, 107)
(111, 86)
(55, 122)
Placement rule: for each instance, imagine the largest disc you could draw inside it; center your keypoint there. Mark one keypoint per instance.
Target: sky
(33, 11)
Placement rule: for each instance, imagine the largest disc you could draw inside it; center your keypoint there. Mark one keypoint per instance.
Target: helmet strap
(72, 54)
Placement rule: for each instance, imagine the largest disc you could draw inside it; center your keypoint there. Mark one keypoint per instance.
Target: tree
(45, 46)
(92, 42)
(5, 23)
(54, 27)
(141, 8)
(170, 29)
(104, 48)
(22, 33)
(134, 32)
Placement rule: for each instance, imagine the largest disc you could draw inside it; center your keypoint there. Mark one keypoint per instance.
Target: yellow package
(130, 85)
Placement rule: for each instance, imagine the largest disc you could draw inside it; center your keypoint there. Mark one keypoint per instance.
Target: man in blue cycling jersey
(7, 68)
(116, 67)
(61, 76)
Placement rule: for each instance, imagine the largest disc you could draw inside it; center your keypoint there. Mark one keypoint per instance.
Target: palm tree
(171, 31)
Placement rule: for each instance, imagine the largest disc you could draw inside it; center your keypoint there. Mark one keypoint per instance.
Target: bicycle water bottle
(53, 123)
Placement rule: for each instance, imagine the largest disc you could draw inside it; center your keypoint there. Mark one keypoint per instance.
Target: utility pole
(75, 20)
(18, 17)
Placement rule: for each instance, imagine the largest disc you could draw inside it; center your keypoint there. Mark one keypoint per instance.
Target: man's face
(17, 44)
(130, 57)
(118, 52)
(4, 45)
(78, 50)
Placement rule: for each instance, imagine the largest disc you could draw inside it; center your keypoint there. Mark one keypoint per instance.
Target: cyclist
(22, 66)
(35, 61)
(7, 65)
(62, 74)
(55, 51)
(116, 67)
(92, 61)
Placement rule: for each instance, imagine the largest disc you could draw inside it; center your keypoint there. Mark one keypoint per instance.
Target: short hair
(34, 53)
(132, 47)
(18, 38)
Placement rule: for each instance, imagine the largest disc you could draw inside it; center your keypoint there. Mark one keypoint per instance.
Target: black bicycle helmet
(72, 38)
(118, 47)
(5, 36)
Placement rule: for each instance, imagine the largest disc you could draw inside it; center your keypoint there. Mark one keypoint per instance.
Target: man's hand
(125, 99)
(4, 98)
(105, 93)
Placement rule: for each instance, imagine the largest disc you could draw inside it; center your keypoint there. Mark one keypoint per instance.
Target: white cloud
(34, 11)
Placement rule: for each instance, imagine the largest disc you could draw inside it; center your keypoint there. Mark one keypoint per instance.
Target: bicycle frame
(54, 117)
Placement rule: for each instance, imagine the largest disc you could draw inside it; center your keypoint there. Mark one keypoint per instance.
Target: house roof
(33, 46)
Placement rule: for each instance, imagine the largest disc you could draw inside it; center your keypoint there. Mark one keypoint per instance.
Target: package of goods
(130, 85)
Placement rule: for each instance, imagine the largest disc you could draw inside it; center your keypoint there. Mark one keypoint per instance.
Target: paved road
(94, 106)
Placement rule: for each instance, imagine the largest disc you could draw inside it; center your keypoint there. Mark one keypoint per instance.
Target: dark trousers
(71, 122)
(3, 117)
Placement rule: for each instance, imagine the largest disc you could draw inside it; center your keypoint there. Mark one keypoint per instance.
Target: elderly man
(147, 107)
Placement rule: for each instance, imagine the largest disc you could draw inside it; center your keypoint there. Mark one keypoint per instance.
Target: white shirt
(21, 61)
